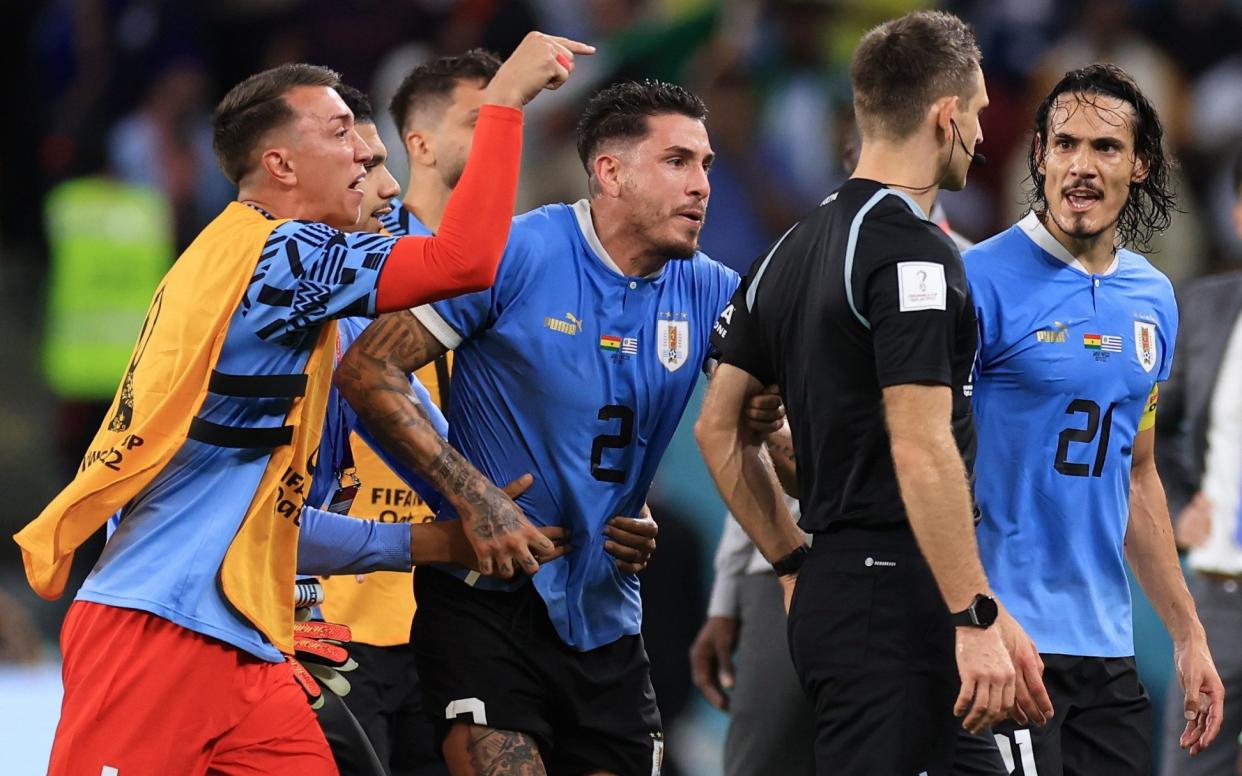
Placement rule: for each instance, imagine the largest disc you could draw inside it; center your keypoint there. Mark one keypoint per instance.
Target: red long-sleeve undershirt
(464, 254)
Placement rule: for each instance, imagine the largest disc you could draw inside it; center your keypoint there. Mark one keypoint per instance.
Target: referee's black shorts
(494, 658)
(873, 646)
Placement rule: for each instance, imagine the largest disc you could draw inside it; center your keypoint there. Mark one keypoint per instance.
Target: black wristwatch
(791, 562)
(981, 613)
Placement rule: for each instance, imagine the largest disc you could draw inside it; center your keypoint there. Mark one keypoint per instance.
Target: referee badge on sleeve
(1145, 344)
(921, 286)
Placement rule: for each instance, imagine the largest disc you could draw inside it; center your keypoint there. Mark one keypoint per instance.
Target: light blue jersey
(578, 374)
(1066, 363)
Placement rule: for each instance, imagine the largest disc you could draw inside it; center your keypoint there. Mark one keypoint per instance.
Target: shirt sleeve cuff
(724, 598)
(437, 326)
(394, 546)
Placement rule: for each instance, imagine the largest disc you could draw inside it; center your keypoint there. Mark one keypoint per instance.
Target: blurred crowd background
(108, 172)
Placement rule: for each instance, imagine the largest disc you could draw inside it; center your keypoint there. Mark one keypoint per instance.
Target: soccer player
(860, 313)
(181, 626)
(1075, 332)
(575, 367)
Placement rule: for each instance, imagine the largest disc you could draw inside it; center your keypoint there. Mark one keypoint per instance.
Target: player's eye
(341, 133)
(676, 161)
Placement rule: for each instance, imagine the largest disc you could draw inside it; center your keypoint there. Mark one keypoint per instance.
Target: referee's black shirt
(862, 294)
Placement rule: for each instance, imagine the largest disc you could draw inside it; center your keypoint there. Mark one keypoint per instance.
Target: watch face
(986, 610)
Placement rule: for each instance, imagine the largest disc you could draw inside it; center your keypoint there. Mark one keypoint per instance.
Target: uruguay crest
(672, 343)
(1145, 344)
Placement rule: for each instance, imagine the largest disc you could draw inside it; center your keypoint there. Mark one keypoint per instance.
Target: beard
(451, 173)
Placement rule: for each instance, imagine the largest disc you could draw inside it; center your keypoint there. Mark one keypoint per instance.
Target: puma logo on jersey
(1058, 334)
(570, 326)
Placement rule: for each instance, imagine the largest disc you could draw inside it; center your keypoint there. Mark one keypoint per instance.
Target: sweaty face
(664, 184)
(455, 132)
(1089, 163)
(326, 155)
(969, 135)
(378, 188)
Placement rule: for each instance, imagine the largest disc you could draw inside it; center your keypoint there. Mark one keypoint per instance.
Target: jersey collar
(582, 214)
(1039, 234)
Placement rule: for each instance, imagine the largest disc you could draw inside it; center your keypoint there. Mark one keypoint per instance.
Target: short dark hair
(256, 106)
(358, 103)
(620, 112)
(436, 79)
(902, 66)
(1149, 208)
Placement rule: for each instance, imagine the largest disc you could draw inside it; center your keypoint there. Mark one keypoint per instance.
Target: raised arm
(373, 376)
(464, 254)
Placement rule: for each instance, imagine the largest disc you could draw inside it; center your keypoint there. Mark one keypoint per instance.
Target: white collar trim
(1039, 234)
(582, 213)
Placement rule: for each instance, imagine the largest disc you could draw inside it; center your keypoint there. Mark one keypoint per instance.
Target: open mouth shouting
(1082, 198)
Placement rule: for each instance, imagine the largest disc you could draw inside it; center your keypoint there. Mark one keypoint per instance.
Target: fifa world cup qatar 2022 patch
(921, 286)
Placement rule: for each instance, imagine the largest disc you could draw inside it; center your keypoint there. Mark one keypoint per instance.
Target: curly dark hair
(1152, 201)
(620, 111)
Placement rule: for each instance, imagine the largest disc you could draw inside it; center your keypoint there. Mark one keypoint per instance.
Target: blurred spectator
(801, 98)
(109, 244)
(166, 144)
(1199, 451)
(752, 200)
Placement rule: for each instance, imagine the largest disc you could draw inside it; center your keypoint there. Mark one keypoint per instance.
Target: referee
(861, 314)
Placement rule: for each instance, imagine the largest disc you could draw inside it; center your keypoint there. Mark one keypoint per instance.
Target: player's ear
(1038, 151)
(607, 177)
(279, 165)
(1141, 169)
(419, 148)
(942, 113)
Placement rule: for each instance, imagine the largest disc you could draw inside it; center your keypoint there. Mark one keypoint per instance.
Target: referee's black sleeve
(736, 339)
(913, 307)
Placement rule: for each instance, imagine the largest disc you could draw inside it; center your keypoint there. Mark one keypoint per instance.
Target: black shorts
(1102, 722)
(386, 699)
(495, 659)
(873, 645)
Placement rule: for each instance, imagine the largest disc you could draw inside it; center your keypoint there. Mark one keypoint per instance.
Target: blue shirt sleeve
(308, 273)
(336, 544)
(470, 314)
(1168, 334)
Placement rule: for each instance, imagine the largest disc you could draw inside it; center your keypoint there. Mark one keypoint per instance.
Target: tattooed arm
(373, 376)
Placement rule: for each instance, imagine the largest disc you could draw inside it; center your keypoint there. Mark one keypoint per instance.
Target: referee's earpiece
(976, 159)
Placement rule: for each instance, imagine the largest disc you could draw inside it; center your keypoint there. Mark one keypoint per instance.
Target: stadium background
(107, 173)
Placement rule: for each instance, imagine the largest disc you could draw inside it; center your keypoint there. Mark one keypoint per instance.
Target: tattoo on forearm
(374, 377)
(782, 451)
(503, 753)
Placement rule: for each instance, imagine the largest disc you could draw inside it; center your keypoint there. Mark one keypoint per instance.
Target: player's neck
(1095, 253)
(907, 167)
(632, 255)
(280, 203)
(426, 197)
